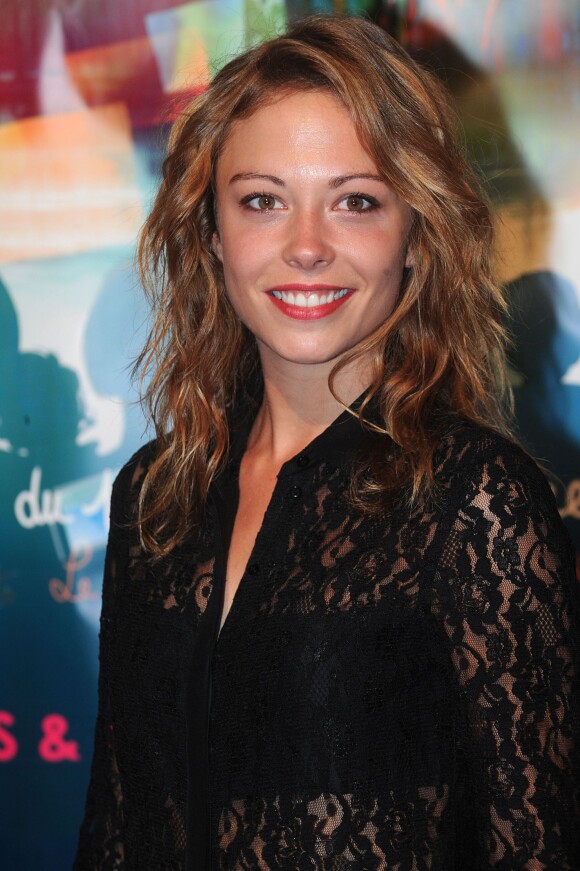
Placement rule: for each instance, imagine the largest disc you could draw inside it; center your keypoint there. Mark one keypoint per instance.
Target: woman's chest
(330, 644)
(319, 583)
(314, 696)
(331, 664)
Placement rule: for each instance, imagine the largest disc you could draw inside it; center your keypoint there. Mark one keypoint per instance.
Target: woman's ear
(216, 246)
(409, 258)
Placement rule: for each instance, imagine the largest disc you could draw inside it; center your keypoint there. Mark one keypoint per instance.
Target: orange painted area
(67, 184)
(121, 71)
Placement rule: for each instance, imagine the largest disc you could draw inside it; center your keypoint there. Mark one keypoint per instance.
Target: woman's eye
(261, 202)
(359, 203)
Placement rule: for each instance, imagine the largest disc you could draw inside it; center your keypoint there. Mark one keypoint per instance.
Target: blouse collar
(344, 438)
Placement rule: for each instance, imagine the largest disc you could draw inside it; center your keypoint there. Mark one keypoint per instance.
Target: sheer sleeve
(510, 610)
(101, 846)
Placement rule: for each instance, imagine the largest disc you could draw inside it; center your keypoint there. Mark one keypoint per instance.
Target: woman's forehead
(304, 128)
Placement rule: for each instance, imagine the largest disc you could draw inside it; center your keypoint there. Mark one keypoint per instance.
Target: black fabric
(390, 694)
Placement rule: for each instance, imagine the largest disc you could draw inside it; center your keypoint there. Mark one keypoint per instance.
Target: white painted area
(572, 376)
(455, 16)
(564, 252)
(57, 92)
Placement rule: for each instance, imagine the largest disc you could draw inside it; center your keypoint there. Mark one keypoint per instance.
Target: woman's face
(312, 241)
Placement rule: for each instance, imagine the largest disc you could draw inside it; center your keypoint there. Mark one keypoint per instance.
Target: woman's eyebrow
(240, 176)
(343, 179)
(333, 183)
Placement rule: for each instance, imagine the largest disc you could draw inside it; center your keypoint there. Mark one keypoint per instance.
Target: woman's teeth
(310, 301)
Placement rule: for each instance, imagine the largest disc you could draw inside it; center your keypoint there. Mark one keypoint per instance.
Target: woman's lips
(306, 304)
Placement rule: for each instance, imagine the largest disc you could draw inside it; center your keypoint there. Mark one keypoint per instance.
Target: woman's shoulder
(486, 482)
(127, 484)
(473, 457)
(491, 482)
(499, 520)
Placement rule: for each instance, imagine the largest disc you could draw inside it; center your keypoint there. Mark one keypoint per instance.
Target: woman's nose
(307, 245)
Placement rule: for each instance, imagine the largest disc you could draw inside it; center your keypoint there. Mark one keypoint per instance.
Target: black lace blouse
(393, 694)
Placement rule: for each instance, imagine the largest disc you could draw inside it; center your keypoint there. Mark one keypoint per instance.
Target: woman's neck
(298, 406)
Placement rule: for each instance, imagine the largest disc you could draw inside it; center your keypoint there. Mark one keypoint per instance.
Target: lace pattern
(391, 694)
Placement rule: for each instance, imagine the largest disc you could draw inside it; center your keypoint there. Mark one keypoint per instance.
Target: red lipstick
(304, 312)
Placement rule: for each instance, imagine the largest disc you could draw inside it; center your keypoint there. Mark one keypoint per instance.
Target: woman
(340, 621)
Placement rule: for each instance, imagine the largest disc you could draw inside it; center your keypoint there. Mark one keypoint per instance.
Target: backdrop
(87, 90)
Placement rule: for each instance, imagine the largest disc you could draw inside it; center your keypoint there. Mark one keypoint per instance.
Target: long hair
(436, 359)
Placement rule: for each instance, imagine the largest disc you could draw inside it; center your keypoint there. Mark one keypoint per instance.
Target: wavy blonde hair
(436, 359)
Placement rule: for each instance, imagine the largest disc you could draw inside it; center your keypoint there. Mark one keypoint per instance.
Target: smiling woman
(340, 620)
(325, 232)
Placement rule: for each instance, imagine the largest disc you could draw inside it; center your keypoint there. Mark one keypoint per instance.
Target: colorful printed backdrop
(87, 88)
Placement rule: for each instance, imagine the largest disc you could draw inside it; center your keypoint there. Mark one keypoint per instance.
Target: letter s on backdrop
(8, 743)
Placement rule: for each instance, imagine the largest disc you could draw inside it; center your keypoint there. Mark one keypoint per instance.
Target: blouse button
(295, 492)
(302, 460)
